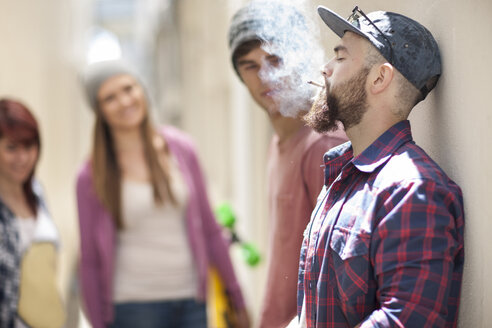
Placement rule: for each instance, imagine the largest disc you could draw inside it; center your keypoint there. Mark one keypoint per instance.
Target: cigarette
(316, 84)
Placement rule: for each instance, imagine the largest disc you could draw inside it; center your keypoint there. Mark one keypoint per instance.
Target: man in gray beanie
(384, 247)
(274, 54)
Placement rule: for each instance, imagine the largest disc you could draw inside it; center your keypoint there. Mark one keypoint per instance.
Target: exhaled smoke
(291, 33)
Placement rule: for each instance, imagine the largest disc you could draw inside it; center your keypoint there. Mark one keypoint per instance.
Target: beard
(346, 103)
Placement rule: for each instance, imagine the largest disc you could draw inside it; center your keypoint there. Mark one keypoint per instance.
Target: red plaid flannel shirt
(384, 247)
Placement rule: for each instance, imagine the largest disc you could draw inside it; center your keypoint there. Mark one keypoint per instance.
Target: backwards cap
(415, 53)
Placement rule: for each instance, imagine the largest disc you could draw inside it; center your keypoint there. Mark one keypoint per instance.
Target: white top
(299, 322)
(154, 259)
(26, 232)
(302, 319)
(40, 230)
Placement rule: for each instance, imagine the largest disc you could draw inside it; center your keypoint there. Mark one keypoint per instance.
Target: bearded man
(384, 247)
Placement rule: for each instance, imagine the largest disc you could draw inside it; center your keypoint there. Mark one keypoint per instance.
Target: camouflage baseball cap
(405, 43)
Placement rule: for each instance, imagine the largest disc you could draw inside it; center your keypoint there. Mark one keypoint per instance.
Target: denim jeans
(186, 313)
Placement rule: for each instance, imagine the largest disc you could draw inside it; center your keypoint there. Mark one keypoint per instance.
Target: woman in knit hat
(148, 235)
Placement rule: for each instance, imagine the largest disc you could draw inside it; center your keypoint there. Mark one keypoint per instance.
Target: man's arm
(414, 250)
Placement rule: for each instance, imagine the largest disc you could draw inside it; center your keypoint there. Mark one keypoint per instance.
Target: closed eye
(340, 52)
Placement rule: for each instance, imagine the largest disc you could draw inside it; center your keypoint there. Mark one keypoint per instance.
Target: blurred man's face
(254, 69)
(344, 98)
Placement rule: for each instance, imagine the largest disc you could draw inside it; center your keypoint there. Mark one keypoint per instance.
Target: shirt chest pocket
(350, 255)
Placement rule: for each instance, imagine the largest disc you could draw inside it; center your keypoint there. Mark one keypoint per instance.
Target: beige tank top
(154, 259)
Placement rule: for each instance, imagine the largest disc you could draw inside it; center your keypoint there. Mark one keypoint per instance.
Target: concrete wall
(231, 132)
(42, 45)
(37, 67)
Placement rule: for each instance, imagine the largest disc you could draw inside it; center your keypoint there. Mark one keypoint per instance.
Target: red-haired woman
(148, 235)
(28, 236)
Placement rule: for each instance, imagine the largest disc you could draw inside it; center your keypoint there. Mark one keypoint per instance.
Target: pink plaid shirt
(384, 247)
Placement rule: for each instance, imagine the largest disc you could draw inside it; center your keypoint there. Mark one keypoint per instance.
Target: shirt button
(310, 285)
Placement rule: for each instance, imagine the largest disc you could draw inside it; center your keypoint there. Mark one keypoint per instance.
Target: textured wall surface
(43, 46)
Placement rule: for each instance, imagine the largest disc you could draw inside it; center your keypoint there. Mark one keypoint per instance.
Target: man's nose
(266, 73)
(327, 69)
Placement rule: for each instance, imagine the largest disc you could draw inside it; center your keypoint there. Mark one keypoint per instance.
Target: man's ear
(381, 77)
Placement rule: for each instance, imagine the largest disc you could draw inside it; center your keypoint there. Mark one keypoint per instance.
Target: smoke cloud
(291, 33)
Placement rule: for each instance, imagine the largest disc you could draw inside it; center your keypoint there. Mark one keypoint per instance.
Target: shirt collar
(372, 157)
(383, 147)
(335, 159)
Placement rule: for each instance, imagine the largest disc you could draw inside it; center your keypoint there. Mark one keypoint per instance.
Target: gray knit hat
(97, 73)
(268, 21)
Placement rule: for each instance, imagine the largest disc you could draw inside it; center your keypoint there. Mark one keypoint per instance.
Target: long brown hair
(106, 172)
(18, 124)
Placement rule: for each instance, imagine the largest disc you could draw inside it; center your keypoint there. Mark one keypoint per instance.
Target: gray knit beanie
(268, 21)
(97, 73)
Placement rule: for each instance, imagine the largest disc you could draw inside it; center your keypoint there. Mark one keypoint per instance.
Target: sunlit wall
(181, 48)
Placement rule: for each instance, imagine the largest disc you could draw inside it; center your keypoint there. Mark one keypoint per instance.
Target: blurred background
(181, 47)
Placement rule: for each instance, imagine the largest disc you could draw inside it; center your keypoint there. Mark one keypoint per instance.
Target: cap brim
(338, 24)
